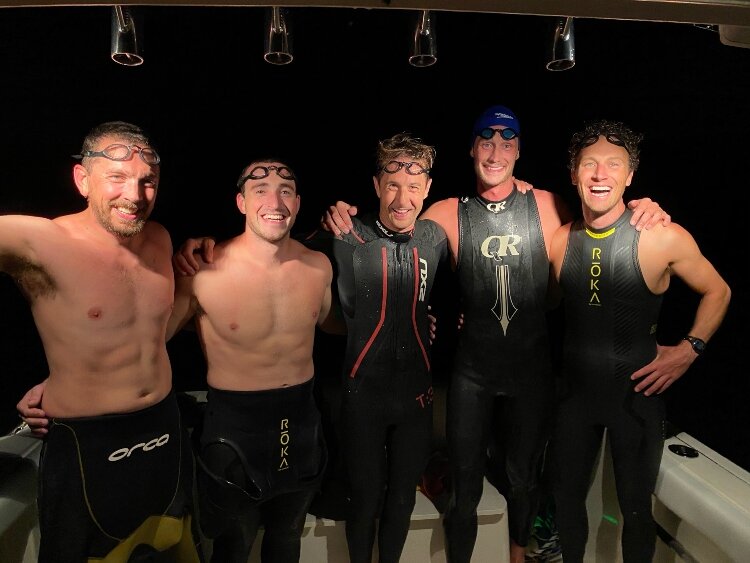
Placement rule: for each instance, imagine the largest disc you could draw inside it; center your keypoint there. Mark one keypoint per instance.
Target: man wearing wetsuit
(498, 240)
(257, 302)
(386, 268)
(116, 470)
(613, 278)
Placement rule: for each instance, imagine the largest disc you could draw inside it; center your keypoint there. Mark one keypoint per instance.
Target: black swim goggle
(489, 132)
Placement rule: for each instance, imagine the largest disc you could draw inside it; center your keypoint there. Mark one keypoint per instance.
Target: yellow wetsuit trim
(162, 533)
(605, 234)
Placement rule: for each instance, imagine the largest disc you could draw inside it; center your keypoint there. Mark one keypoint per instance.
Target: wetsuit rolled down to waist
(117, 486)
(254, 446)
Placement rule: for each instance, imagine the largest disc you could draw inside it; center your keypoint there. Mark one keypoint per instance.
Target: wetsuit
(116, 487)
(611, 318)
(503, 351)
(262, 456)
(384, 280)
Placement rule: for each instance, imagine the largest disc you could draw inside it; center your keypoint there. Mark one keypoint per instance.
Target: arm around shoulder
(184, 307)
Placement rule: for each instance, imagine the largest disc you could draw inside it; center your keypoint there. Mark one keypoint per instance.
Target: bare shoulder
(672, 236)
(544, 197)
(444, 213)
(157, 234)
(563, 231)
(559, 240)
(552, 205)
(440, 208)
(313, 258)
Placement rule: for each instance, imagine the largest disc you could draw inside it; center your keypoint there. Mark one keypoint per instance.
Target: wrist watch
(698, 345)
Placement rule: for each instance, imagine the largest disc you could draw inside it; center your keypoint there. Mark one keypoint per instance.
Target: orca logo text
(117, 455)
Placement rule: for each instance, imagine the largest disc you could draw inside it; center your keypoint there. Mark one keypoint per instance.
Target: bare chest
(109, 289)
(262, 303)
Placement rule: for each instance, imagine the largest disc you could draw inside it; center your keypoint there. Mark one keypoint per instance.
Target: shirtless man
(115, 467)
(499, 240)
(613, 278)
(261, 454)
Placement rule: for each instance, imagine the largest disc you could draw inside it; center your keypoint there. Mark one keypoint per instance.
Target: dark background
(213, 104)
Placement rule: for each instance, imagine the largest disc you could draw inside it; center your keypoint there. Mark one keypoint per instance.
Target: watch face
(697, 344)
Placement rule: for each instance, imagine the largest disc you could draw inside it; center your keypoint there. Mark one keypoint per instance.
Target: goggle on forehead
(260, 172)
(120, 152)
(413, 168)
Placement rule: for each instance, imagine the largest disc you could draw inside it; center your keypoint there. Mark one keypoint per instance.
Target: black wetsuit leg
(62, 540)
(408, 451)
(572, 467)
(469, 415)
(234, 534)
(364, 436)
(635, 432)
(284, 521)
(637, 440)
(524, 425)
(521, 433)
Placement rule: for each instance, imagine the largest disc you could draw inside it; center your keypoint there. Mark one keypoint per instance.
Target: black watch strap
(698, 345)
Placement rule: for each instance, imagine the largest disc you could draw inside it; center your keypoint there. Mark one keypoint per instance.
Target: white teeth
(273, 217)
(599, 188)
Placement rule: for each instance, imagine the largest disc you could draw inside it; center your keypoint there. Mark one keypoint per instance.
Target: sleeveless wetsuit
(503, 351)
(611, 318)
(262, 456)
(384, 281)
(117, 486)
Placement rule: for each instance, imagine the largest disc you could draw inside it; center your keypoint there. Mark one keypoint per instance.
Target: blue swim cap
(496, 115)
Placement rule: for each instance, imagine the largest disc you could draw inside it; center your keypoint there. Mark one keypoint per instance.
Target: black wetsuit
(611, 318)
(384, 281)
(503, 351)
(261, 458)
(117, 486)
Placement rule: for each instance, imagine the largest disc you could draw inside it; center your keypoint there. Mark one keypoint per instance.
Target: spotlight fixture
(563, 55)
(124, 48)
(278, 40)
(424, 49)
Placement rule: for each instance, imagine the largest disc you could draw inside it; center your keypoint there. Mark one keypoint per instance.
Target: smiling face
(269, 204)
(120, 194)
(401, 195)
(494, 159)
(602, 173)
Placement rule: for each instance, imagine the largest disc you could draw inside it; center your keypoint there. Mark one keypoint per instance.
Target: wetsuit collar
(498, 206)
(384, 231)
(609, 229)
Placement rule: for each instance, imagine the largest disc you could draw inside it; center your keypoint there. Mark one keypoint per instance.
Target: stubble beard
(126, 230)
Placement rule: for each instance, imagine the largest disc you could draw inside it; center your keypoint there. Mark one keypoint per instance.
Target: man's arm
(338, 218)
(30, 410)
(184, 260)
(185, 305)
(647, 214)
(685, 260)
(330, 319)
(19, 236)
